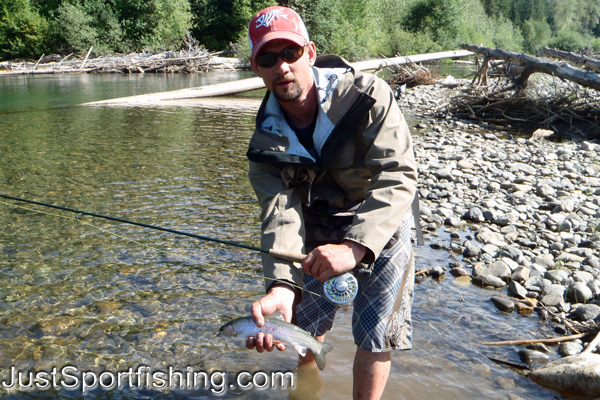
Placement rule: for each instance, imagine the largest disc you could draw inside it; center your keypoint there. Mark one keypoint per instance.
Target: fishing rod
(284, 255)
(340, 289)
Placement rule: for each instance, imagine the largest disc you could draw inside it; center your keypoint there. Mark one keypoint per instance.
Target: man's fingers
(257, 314)
(308, 262)
(251, 343)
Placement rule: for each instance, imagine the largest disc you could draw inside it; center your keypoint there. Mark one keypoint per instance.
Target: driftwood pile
(409, 75)
(566, 97)
(192, 60)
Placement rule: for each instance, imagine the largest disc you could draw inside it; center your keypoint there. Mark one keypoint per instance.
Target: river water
(100, 296)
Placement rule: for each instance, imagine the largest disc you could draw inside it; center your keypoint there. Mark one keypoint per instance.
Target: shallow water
(104, 296)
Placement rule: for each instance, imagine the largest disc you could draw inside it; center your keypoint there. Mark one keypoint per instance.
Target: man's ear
(254, 67)
(312, 53)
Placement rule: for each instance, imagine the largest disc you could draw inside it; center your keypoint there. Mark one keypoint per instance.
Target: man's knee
(369, 357)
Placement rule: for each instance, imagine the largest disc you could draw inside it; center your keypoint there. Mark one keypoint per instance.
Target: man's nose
(282, 65)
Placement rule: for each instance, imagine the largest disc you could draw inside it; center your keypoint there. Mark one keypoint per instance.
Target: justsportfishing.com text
(71, 378)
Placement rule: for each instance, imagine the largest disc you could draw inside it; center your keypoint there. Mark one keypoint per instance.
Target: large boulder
(577, 374)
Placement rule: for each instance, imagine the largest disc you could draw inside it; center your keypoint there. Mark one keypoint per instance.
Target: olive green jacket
(363, 163)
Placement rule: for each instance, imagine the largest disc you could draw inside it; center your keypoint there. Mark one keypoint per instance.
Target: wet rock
(471, 250)
(569, 349)
(539, 347)
(498, 269)
(488, 280)
(578, 292)
(503, 304)
(533, 357)
(585, 312)
(577, 374)
(516, 290)
(437, 272)
(459, 271)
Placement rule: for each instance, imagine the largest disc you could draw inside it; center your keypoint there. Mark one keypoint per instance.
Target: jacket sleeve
(282, 223)
(391, 163)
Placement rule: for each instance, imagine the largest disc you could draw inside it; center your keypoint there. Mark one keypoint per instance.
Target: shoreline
(531, 209)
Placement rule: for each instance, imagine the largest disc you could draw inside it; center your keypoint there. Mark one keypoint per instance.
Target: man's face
(287, 81)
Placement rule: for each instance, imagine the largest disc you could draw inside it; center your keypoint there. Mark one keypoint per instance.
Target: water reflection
(74, 293)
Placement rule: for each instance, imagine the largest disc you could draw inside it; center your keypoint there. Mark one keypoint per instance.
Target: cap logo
(267, 18)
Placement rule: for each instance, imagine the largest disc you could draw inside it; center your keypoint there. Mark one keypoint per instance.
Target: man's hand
(333, 259)
(280, 298)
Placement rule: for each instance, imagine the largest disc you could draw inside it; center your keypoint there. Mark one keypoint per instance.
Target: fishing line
(78, 219)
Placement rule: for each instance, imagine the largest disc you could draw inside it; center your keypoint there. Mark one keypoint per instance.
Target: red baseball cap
(276, 23)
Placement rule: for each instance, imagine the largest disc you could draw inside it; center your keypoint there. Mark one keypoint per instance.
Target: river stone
(539, 347)
(544, 262)
(569, 349)
(437, 272)
(516, 290)
(586, 312)
(545, 190)
(471, 250)
(578, 374)
(533, 357)
(488, 280)
(554, 296)
(520, 274)
(556, 275)
(459, 271)
(499, 269)
(578, 292)
(520, 167)
(503, 304)
(511, 252)
(568, 257)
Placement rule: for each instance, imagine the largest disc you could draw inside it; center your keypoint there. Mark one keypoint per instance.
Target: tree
(216, 23)
(23, 32)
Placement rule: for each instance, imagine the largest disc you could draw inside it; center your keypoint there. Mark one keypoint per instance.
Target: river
(100, 296)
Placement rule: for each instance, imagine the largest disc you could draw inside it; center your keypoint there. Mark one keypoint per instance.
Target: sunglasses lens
(289, 55)
(292, 54)
(266, 60)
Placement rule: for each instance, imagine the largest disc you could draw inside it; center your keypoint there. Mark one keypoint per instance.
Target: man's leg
(371, 371)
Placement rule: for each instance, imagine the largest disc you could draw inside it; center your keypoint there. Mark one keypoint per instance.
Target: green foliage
(536, 35)
(355, 29)
(121, 25)
(569, 41)
(23, 32)
(216, 23)
(92, 23)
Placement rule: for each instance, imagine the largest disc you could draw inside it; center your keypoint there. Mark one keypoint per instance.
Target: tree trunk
(533, 64)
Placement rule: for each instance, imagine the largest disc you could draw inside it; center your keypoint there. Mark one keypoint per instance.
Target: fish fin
(278, 315)
(320, 357)
(301, 350)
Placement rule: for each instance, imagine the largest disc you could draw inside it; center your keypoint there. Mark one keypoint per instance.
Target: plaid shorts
(382, 308)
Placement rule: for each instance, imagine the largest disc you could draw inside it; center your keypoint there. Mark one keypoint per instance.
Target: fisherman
(332, 165)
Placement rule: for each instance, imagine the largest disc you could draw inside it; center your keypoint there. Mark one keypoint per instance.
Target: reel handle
(288, 256)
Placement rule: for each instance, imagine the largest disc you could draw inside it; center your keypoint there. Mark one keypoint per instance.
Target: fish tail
(320, 356)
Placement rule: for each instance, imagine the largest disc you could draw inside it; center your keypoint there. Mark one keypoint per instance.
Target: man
(332, 164)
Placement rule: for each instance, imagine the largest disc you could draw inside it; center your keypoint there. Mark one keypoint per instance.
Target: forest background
(355, 29)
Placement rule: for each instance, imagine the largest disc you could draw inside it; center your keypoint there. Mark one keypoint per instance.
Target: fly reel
(341, 289)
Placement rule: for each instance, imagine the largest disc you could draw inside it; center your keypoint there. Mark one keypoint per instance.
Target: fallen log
(578, 59)
(245, 85)
(534, 64)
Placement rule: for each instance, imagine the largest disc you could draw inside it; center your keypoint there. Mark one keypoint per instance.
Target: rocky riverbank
(524, 214)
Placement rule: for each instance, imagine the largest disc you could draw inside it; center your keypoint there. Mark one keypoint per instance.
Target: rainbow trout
(283, 332)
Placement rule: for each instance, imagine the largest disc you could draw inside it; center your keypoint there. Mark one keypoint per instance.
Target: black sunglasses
(289, 55)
